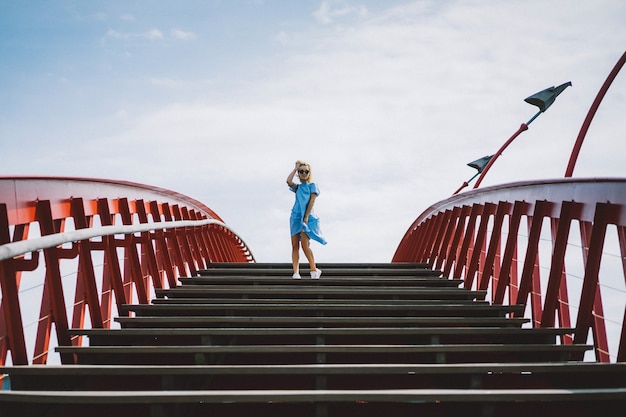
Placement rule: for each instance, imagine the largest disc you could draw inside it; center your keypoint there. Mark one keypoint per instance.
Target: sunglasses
(303, 171)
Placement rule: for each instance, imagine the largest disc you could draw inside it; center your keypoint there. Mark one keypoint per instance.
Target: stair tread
(336, 265)
(311, 300)
(325, 331)
(205, 320)
(264, 305)
(328, 348)
(453, 368)
(363, 334)
(298, 286)
(391, 395)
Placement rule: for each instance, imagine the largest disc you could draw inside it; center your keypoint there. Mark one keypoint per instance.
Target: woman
(304, 224)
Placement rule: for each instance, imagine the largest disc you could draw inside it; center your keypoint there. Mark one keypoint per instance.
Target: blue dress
(303, 194)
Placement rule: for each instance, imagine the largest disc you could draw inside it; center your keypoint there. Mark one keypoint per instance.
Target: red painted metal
(132, 265)
(508, 270)
(523, 127)
(477, 236)
(11, 323)
(591, 114)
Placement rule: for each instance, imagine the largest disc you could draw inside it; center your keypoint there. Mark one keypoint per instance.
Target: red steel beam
(593, 203)
(61, 204)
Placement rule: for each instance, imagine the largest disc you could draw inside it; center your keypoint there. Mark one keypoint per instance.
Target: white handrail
(14, 249)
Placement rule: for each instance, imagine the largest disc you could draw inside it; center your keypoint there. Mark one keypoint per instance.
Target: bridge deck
(365, 339)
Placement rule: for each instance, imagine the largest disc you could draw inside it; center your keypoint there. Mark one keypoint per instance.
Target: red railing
(118, 240)
(517, 240)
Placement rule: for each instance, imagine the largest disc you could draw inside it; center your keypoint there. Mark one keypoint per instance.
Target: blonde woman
(304, 224)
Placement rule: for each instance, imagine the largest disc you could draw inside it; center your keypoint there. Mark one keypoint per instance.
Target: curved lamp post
(478, 165)
(542, 100)
(592, 111)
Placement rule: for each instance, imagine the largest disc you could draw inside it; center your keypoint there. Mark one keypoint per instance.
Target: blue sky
(387, 100)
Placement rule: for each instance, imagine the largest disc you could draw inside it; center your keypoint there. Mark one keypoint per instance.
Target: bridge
(129, 299)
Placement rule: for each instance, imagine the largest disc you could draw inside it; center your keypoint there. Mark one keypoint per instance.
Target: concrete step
(400, 402)
(407, 309)
(309, 335)
(311, 291)
(330, 270)
(325, 280)
(284, 354)
(321, 321)
(568, 375)
(366, 339)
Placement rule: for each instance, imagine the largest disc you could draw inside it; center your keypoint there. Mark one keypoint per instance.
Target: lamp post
(542, 100)
(479, 165)
(590, 115)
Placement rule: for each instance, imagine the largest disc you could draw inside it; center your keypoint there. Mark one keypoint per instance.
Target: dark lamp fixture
(545, 98)
(542, 100)
(480, 164)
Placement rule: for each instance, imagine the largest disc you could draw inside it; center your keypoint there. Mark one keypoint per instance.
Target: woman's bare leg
(306, 248)
(295, 253)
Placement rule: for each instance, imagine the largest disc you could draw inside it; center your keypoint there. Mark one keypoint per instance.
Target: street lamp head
(545, 98)
(481, 163)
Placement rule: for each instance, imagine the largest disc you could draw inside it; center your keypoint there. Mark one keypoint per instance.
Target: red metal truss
(133, 263)
(478, 236)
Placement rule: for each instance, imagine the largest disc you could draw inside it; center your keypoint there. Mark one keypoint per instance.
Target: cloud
(326, 14)
(169, 83)
(151, 35)
(283, 38)
(182, 35)
(388, 109)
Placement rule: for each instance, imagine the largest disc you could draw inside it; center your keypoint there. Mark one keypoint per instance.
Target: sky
(387, 100)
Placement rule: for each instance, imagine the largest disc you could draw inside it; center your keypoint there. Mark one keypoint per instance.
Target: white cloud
(152, 34)
(182, 35)
(165, 82)
(326, 14)
(388, 110)
(283, 38)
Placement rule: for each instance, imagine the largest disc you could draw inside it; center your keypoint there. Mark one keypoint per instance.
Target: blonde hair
(306, 164)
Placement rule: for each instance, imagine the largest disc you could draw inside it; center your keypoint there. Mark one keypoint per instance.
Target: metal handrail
(142, 238)
(476, 236)
(15, 249)
(589, 190)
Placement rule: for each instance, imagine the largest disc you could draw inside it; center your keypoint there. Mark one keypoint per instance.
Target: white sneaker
(316, 274)
(296, 276)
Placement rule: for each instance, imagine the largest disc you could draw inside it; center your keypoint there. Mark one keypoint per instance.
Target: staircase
(364, 340)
